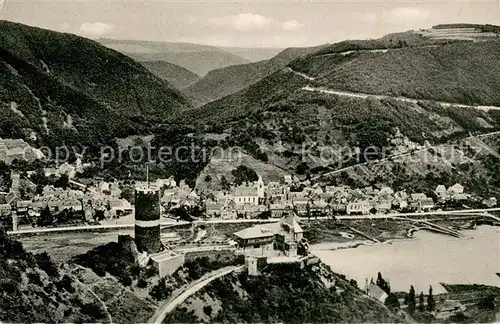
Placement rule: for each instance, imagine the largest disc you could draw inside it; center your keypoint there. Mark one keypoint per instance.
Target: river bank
(426, 259)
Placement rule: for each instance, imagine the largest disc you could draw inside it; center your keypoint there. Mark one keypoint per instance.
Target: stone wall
(211, 254)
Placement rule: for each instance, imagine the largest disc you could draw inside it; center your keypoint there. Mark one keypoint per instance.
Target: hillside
(462, 72)
(308, 118)
(222, 82)
(63, 88)
(178, 76)
(283, 294)
(196, 58)
(35, 290)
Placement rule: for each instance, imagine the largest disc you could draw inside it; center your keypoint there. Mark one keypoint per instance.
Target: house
(416, 197)
(5, 210)
(120, 207)
(23, 206)
(423, 204)
(339, 208)
(319, 207)
(490, 203)
(455, 189)
(399, 203)
(289, 236)
(246, 195)
(213, 209)
(359, 207)
(12, 197)
(376, 292)
(441, 192)
(287, 179)
(296, 194)
(254, 237)
(279, 210)
(386, 191)
(229, 211)
(383, 206)
(275, 192)
(300, 205)
(460, 196)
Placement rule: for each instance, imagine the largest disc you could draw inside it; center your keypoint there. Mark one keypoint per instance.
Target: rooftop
(162, 256)
(245, 191)
(254, 232)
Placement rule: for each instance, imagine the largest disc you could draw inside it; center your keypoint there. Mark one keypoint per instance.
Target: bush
(67, 283)
(45, 263)
(244, 174)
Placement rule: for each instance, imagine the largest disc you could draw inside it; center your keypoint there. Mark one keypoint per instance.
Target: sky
(256, 23)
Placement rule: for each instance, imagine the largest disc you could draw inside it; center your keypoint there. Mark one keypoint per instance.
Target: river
(427, 259)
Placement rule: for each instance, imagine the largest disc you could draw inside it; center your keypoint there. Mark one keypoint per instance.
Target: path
(180, 295)
(108, 314)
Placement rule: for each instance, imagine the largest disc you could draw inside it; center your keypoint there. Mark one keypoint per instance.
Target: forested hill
(63, 88)
(462, 72)
(174, 74)
(34, 290)
(225, 81)
(284, 293)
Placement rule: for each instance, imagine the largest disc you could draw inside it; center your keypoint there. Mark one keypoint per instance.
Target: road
(343, 93)
(360, 95)
(464, 212)
(184, 293)
(163, 224)
(239, 221)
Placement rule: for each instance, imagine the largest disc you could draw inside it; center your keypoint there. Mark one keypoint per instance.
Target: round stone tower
(147, 219)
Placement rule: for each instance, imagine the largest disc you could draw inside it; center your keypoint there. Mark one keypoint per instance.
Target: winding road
(180, 295)
(360, 95)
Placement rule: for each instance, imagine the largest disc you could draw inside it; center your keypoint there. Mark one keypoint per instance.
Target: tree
(431, 303)
(62, 182)
(46, 217)
(224, 183)
(421, 306)
(392, 301)
(383, 284)
(244, 174)
(411, 301)
(45, 263)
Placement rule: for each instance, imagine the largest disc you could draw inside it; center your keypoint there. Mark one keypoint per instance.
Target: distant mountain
(198, 59)
(59, 88)
(253, 54)
(222, 82)
(174, 74)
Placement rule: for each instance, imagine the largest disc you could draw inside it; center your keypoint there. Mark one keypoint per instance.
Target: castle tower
(147, 219)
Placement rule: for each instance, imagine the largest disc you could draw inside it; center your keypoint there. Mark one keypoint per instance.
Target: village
(95, 201)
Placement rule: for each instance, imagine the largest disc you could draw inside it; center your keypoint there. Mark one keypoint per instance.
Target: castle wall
(147, 239)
